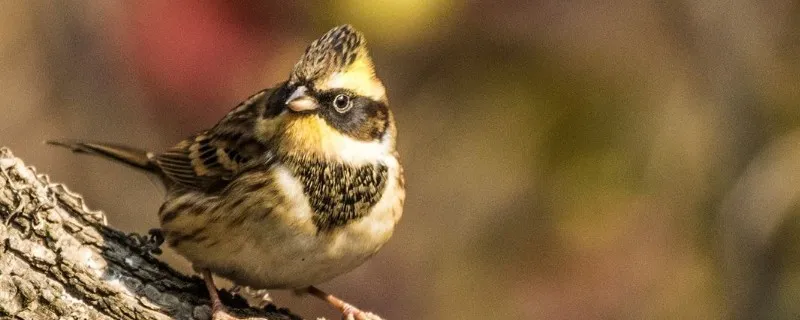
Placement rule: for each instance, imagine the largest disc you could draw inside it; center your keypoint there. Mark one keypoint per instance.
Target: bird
(297, 184)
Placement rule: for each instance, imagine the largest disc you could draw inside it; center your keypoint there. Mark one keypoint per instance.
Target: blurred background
(564, 159)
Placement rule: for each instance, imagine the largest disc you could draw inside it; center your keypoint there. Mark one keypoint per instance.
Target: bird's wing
(210, 159)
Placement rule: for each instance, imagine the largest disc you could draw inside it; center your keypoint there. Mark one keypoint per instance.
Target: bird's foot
(362, 316)
(221, 314)
(349, 311)
(218, 311)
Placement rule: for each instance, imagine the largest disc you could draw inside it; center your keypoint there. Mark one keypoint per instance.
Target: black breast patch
(338, 193)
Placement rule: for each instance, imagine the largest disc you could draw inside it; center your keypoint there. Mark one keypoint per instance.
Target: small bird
(296, 185)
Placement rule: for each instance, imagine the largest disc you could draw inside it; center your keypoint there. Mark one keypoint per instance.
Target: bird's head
(334, 104)
(336, 62)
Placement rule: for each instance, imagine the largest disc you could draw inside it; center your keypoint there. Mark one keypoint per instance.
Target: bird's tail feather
(137, 158)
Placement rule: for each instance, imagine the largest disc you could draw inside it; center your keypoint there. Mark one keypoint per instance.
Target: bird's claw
(361, 315)
(222, 315)
(350, 312)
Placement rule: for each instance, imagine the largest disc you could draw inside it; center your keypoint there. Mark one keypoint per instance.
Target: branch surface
(59, 260)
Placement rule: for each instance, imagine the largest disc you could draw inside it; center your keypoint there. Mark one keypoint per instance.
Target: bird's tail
(137, 158)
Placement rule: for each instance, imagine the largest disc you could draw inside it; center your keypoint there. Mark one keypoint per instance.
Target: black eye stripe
(365, 119)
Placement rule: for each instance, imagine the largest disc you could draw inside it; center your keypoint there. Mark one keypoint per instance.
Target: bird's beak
(300, 101)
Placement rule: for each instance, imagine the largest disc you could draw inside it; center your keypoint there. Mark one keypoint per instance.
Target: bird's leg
(348, 310)
(217, 308)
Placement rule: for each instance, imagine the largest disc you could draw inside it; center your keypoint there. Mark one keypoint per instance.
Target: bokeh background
(565, 159)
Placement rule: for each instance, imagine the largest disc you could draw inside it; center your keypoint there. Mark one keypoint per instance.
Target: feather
(133, 157)
(210, 159)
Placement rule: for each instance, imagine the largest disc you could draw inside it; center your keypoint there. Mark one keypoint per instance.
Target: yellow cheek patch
(312, 136)
(308, 134)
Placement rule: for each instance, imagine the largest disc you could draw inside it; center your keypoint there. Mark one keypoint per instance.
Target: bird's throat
(338, 193)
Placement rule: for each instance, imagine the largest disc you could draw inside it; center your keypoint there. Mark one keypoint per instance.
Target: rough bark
(59, 260)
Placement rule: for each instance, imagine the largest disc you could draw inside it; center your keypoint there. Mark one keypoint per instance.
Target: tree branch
(59, 260)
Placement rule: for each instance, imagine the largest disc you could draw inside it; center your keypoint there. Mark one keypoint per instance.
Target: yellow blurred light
(395, 21)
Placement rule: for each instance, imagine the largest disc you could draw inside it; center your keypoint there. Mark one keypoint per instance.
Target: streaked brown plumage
(296, 185)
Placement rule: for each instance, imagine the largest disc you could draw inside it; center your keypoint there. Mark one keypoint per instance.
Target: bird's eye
(342, 103)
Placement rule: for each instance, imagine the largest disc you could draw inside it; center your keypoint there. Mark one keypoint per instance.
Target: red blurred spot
(190, 55)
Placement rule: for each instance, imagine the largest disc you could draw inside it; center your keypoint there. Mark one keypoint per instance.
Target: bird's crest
(335, 51)
(339, 59)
